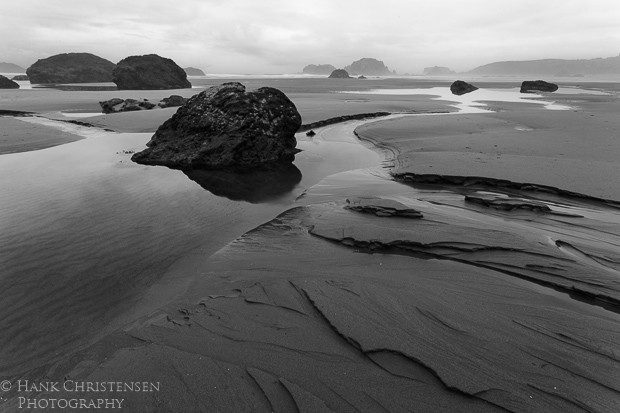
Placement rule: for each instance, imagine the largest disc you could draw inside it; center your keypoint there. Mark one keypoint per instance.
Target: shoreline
(442, 328)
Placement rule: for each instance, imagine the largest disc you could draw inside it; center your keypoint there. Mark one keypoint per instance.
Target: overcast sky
(282, 36)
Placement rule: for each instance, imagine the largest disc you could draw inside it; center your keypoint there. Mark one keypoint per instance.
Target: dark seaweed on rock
(226, 127)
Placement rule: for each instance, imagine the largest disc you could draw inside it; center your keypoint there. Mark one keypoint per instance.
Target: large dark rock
(368, 66)
(460, 88)
(192, 71)
(71, 68)
(339, 74)
(149, 72)
(226, 127)
(6, 83)
(529, 86)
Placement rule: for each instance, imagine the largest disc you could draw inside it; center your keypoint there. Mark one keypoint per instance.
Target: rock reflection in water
(256, 185)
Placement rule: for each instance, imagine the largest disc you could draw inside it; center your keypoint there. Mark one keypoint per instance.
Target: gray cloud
(242, 36)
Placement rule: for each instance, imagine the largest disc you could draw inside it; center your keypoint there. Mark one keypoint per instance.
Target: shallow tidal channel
(90, 241)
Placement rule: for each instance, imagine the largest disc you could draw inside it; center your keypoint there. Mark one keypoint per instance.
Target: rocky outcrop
(226, 127)
(460, 88)
(318, 69)
(171, 101)
(506, 203)
(128, 105)
(438, 71)
(192, 71)
(368, 66)
(71, 68)
(339, 119)
(20, 78)
(529, 86)
(339, 74)
(149, 72)
(125, 105)
(382, 207)
(6, 83)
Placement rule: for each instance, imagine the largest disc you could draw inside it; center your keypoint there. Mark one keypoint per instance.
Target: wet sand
(480, 305)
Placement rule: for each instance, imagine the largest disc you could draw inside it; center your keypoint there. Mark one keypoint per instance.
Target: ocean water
(473, 102)
(90, 241)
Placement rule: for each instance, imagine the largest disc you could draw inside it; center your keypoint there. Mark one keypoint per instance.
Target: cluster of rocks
(364, 66)
(460, 87)
(128, 105)
(148, 72)
(6, 83)
(226, 127)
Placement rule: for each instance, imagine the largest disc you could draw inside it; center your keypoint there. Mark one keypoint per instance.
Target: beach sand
(477, 306)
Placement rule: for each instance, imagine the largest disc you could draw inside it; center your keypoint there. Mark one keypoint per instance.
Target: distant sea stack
(438, 71)
(149, 72)
(368, 66)
(225, 127)
(325, 69)
(11, 68)
(530, 86)
(339, 74)
(71, 68)
(192, 71)
(460, 88)
(6, 83)
(552, 67)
